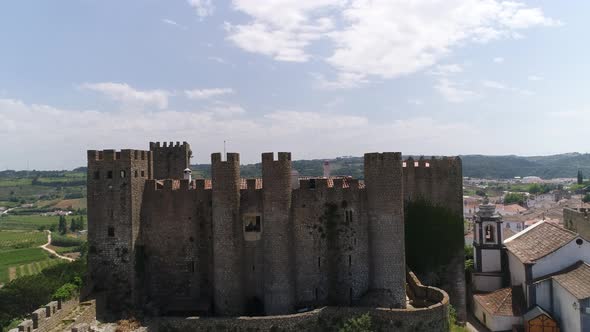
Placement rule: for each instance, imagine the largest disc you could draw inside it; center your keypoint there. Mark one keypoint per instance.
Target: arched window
(489, 234)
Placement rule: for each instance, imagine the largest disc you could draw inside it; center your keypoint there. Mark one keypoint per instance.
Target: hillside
(547, 167)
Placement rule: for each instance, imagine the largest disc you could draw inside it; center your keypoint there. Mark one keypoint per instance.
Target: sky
(318, 78)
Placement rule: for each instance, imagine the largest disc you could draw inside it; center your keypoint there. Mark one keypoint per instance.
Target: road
(51, 251)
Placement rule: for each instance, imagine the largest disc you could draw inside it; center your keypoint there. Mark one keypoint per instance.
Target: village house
(543, 275)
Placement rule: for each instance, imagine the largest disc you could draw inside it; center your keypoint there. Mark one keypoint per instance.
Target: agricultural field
(18, 262)
(27, 222)
(20, 240)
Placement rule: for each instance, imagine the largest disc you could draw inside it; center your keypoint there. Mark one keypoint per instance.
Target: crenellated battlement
(112, 155)
(334, 183)
(157, 145)
(230, 157)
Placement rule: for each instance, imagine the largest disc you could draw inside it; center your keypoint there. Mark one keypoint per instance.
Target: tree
(514, 198)
(586, 198)
(580, 177)
(62, 226)
(358, 324)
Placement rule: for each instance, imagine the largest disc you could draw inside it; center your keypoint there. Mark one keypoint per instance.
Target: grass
(19, 259)
(35, 267)
(19, 240)
(27, 222)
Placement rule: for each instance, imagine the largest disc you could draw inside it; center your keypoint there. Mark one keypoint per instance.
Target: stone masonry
(230, 246)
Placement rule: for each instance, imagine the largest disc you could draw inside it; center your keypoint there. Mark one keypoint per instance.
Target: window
(252, 224)
(489, 234)
(123, 174)
(109, 174)
(192, 266)
(111, 231)
(143, 174)
(311, 183)
(136, 173)
(579, 242)
(319, 262)
(349, 260)
(97, 175)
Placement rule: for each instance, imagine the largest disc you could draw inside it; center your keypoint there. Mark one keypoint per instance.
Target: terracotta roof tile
(503, 302)
(538, 241)
(576, 281)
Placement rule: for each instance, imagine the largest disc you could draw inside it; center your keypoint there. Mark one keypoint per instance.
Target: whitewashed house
(549, 283)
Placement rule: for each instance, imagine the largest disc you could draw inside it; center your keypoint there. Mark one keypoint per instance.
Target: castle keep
(230, 246)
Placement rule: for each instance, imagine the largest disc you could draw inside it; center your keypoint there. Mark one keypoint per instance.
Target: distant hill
(503, 167)
(556, 166)
(547, 167)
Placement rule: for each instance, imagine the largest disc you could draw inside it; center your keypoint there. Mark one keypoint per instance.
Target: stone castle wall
(433, 316)
(58, 315)
(115, 193)
(174, 246)
(439, 181)
(170, 160)
(577, 220)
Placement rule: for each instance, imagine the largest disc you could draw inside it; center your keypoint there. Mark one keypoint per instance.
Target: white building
(549, 283)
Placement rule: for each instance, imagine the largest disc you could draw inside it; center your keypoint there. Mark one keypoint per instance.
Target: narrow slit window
(111, 231)
(319, 262)
(143, 174)
(311, 183)
(109, 174)
(349, 260)
(136, 173)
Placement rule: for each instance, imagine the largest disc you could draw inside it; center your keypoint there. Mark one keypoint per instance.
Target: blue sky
(319, 78)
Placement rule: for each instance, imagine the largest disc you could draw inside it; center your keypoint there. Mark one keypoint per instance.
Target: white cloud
(493, 85)
(196, 94)
(206, 129)
(172, 23)
(341, 81)
(454, 92)
(282, 29)
(217, 59)
(203, 8)
(447, 70)
(416, 102)
(498, 60)
(381, 38)
(129, 96)
(535, 78)
(501, 86)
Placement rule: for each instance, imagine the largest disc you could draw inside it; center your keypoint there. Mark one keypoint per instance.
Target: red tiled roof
(503, 302)
(576, 281)
(538, 241)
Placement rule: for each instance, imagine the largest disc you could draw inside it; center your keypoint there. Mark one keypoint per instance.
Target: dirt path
(11, 273)
(51, 251)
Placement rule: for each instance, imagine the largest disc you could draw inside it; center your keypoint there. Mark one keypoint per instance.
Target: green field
(19, 240)
(27, 222)
(21, 260)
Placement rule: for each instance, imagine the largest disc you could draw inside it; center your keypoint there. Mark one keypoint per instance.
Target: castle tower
(387, 269)
(116, 182)
(170, 160)
(227, 235)
(278, 280)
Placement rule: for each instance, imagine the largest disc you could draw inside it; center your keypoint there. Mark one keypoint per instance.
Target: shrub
(64, 241)
(65, 292)
(361, 323)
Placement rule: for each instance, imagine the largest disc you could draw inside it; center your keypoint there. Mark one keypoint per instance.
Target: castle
(161, 242)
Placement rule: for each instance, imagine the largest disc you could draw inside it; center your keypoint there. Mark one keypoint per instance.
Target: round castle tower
(227, 235)
(278, 281)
